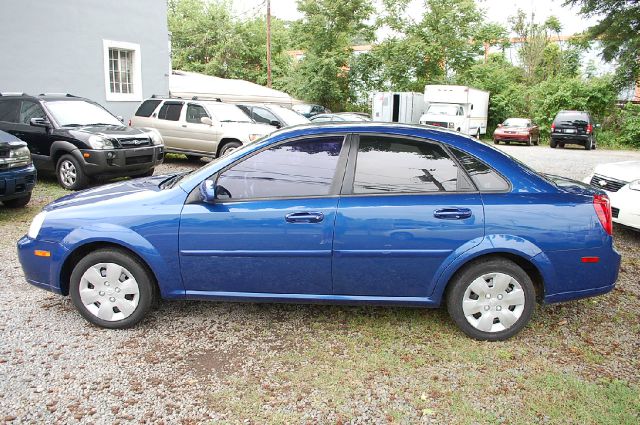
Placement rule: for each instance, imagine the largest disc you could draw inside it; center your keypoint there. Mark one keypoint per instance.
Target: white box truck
(460, 108)
(403, 107)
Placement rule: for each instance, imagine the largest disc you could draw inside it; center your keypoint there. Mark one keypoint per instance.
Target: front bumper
(17, 182)
(121, 162)
(502, 137)
(43, 272)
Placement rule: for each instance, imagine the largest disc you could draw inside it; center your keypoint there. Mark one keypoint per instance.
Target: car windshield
(303, 109)
(225, 112)
(440, 109)
(516, 122)
(290, 117)
(79, 112)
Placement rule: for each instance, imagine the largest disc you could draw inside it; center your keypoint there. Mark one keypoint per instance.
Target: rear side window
(300, 168)
(485, 178)
(170, 111)
(9, 110)
(263, 116)
(397, 165)
(147, 108)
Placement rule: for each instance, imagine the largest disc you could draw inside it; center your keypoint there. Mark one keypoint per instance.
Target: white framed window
(122, 71)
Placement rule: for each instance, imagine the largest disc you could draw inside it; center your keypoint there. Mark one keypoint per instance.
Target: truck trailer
(402, 107)
(460, 108)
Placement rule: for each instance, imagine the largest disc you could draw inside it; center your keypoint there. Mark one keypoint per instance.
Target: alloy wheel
(68, 173)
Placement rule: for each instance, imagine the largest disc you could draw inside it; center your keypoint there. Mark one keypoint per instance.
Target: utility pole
(268, 43)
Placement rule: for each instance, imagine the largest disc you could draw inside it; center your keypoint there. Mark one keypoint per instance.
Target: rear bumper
(16, 183)
(121, 162)
(580, 139)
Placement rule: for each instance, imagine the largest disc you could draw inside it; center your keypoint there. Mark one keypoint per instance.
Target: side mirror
(499, 125)
(276, 123)
(40, 122)
(119, 117)
(206, 120)
(207, 191)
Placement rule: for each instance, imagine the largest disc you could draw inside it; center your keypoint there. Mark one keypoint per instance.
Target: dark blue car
(354, 213)
(17, 173)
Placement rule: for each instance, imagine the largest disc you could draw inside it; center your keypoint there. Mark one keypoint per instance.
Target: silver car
(199, 128)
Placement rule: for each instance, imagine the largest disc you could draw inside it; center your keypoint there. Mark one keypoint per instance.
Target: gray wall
(56, 46)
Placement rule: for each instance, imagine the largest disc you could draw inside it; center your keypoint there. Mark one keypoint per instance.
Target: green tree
(326, 33)
(618, 32)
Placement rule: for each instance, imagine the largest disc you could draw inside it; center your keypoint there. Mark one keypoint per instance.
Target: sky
(496, 11)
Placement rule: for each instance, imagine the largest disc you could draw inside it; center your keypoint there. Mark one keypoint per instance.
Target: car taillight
(589, 128)
(553, 127)
(602, 206)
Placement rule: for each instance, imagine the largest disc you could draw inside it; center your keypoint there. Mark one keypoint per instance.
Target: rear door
(168, 123)
(406, 206)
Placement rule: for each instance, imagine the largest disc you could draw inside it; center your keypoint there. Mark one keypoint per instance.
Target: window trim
(347, 187)
(136, 95)
(334, 188)
(169, 103)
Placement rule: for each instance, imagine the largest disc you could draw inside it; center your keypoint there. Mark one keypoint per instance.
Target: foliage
(618, 32)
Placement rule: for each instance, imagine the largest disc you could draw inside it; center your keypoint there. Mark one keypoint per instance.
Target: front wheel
(496, 141)
(491, 300)
(111, 289)
(228, 147)
(70, 173)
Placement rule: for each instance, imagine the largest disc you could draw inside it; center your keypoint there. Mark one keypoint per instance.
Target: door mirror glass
(276, 123)
(206, 120)
(207, 191)
(39, 122)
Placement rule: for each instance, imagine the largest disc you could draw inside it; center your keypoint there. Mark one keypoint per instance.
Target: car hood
(108, 131)
(8, 141)
(138, 189)
(250, 128)
(626, 171)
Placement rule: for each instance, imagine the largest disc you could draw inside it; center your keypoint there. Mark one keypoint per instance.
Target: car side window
(9, 110)
(195, 112)
(294, 169)
(170, 111)
(261, 115)
(147, 107)
(485, 178)
(30, 110)
(398, 165)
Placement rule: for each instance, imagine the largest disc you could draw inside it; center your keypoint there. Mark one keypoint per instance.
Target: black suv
(78, 138)
(575, 127)
(17, 174)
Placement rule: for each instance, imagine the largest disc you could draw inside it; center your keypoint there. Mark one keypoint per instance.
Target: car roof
(43, 96)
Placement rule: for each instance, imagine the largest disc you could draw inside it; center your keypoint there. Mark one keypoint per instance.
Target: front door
(407, 206)
(270, 229)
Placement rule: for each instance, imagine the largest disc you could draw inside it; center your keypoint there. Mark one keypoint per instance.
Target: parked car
(621, 181)
(17, 173)
(198, 127)
(275, 115)
(340, 116)
(312, 214)
(521, 130)
(573, 127)
(79, 139)
(308, 110)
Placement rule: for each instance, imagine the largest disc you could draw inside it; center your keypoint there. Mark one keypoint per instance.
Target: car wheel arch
(62, 147)
(224, 141)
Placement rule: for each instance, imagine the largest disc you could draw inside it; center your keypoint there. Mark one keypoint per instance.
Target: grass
(46, 190)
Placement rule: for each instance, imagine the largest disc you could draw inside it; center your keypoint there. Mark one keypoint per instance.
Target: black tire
(507, 142)
(145, 283)
(561, 145)
(193, 158)
(537, 142)
(457, 291)
(588, 145)
(552, 143)
(18, 202)
(496, 141)
(65, 165)
(228, 147)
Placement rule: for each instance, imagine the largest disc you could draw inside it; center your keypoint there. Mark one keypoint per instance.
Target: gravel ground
(193, 362)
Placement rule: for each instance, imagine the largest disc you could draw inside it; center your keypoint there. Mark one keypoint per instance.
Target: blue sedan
(358, 213)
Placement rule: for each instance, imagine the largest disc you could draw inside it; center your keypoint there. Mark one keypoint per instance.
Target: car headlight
(254, 137)
(99, 142)
(634, 185)
(36, 224)
(18, 157)
(154, 135)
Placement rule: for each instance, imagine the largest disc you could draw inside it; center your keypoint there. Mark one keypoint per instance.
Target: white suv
(198, 127)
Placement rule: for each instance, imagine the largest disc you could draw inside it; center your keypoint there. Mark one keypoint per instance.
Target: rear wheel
(552, 143)
(588, 144)
(491, 300)
(537, 142)
(70, 173)
(561, 145)
(17, 202)
(111, 289)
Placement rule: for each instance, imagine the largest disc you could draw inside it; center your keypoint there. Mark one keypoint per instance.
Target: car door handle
(184, 125)
(304, 217)
(452, 213)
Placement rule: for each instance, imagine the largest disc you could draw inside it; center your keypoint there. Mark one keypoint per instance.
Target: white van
(460, 108)
(403, 107)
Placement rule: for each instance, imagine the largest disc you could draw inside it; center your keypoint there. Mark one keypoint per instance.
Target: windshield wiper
(103, 123)
(73, 125)
(171, 181)
(233, 121)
